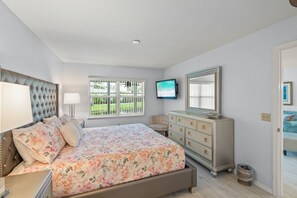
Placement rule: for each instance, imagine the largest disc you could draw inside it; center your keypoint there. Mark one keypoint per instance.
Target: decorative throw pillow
(64, 118)
(46, 120)
(56, 122)
(78, 126)
(22, 149)
(71, 134)
(44, 143)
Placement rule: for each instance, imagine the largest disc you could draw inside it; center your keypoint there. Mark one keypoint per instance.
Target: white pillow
(78, 126)
(22, 149)
(70, 133)
(46, 120)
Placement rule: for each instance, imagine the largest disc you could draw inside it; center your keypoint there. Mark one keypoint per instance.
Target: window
(202, 95)
(116, 97)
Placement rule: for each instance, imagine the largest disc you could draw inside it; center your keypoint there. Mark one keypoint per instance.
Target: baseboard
(260, 185)
(255, 182)
(263, 187)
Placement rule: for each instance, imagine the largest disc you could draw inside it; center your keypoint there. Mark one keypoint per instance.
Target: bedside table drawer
(35, 184)
(47, 191)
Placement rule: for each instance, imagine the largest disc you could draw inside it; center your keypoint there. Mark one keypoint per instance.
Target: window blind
(116, 97)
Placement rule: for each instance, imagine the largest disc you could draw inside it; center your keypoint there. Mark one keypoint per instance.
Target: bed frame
(44, 101)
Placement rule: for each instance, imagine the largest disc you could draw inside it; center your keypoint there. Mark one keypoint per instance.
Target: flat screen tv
(166, 89)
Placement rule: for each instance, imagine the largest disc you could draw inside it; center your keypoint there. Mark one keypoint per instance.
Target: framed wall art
(287, 93)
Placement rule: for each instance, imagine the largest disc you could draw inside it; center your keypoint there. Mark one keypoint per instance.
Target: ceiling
(170, 31)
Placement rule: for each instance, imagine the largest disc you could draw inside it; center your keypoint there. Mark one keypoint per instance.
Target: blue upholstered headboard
(44, 103)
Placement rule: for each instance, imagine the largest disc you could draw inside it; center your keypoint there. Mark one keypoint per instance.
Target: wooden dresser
(208, 141)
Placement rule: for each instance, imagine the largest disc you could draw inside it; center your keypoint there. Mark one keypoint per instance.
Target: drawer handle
(191, 123)
(181, 139)
(189, 143)
(178, 119)
(203, 126)
(181, 130)
(205, 139)
(189, 133)
(205, 152)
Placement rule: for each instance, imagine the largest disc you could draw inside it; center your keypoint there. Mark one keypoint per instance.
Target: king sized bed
(116, 161)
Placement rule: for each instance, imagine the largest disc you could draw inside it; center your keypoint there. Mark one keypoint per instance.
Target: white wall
(75, 79)
(21, 51)
(247, 91)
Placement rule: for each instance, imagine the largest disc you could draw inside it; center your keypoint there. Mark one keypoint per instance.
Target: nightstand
(81, 122)
(36, 184)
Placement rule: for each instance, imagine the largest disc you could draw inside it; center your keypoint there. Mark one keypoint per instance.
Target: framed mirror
(203, 91)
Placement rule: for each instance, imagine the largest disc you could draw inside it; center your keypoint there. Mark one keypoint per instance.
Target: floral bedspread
(108, 156)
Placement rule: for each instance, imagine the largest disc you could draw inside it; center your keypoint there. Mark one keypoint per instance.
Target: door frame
(277, 118)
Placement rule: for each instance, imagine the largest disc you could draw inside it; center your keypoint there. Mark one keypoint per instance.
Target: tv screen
(166, 89)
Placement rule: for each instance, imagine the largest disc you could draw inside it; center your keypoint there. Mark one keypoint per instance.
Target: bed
(161, 179)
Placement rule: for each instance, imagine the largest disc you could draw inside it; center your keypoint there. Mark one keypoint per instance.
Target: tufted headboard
(44, 103)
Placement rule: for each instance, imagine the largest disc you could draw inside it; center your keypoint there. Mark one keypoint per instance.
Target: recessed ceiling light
(136, 42)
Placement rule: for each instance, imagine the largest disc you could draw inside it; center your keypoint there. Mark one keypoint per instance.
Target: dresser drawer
(176, 137)
(187, 122)
(172, 118)
(199, 137)
(199, 148)
(205, 127)
(177, 128)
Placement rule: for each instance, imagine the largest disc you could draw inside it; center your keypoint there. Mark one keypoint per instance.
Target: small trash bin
(245, 174)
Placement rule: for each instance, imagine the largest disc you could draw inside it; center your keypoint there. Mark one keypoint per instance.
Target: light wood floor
(225, 185)
(290, 175)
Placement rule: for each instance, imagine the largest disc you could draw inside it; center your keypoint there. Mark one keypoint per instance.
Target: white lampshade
(71, 98)
(15, 106)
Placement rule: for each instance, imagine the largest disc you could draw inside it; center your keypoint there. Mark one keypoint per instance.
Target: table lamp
(71, 99)
(15, 111)
(15, 106)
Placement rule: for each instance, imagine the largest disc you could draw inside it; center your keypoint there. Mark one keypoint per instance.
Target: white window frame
(117, 96)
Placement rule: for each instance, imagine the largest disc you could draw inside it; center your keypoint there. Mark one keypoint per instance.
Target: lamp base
(72, 110)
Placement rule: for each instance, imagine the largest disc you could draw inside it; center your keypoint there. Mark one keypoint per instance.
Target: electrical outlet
(266, 117)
